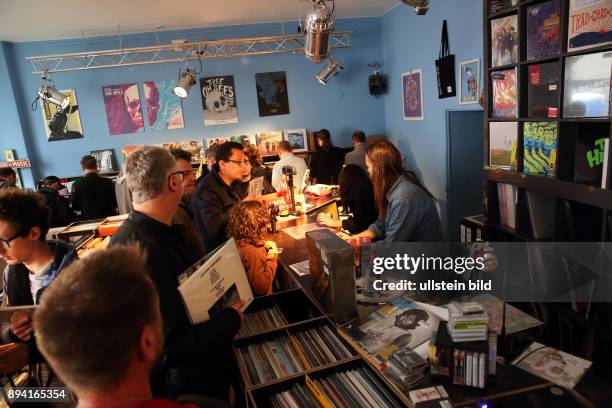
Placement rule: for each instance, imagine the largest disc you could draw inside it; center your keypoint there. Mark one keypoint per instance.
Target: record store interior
(306, 203)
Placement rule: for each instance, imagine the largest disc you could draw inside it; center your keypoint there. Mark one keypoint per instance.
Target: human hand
(327, 220)
(21, 325)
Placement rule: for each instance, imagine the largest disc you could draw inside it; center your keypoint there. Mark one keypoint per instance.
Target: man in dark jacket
(220, 190)
(61, 213)
(93, 195)
(198, 357)
(32, 262)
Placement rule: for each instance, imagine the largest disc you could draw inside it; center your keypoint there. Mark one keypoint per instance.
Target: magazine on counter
(214, 283)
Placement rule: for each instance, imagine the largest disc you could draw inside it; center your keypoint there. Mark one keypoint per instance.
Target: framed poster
(412, 94)
(67, 124)
(267, 142)
(272, 96)
(123, 110)
(105, 159)
(163, 107)
(297, 139)
(469, 83)
(219, 100)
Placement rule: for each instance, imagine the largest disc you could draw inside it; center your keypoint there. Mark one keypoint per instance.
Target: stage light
(332, 68)
(186, 81)
(318, 28)
(49, 94)
(420, 6)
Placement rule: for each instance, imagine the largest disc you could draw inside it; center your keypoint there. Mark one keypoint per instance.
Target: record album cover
(543, 90)
(62, 125)
(540, 148)
(499, 5)
(163, 107)
(504, 94)
(123, 110)
(544, 29)
(267, 142)
(502, 144)
(504, 41)
(589, 24)
(587, 85)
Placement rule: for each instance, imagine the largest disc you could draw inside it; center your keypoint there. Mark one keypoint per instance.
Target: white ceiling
(31, 20)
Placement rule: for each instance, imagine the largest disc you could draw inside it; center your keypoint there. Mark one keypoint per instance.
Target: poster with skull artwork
(123, 111)
(219, 100)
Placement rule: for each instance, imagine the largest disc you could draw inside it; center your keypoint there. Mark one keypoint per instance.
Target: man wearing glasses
(219, 192)
(184, 215)
(198, 358)
(32, 261)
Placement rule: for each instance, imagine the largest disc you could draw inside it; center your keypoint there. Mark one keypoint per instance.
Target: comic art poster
(123, 110)
(469, 87)
(267, 142)
(62, 125)
(219, 100)
(504, 94)
(504, 41)
(544, 29)
(412, 93)
(272, 96)
(163, 107)
(589, 24)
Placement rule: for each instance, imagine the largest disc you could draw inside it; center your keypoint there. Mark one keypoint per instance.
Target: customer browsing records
(406, 209)
(219, 192)
(198, 358)
(110, 365)
(357, 198)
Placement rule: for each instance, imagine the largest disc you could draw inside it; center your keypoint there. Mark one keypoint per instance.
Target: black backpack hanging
(445, 68)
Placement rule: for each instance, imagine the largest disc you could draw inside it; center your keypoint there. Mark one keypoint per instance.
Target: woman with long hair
(327, 161)
(406, 209)
(357, 198)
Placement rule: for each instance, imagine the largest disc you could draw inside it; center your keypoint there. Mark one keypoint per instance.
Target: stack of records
(405, 368)
(467, 321)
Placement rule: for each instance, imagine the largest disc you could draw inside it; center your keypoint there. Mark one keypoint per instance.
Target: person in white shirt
(287, 158)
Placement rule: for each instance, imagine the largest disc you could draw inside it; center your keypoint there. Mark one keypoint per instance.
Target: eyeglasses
(6, 243)
(188, 173)
(241, 163)
(181, 172)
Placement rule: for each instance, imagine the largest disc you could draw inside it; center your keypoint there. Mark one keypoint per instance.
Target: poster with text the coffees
(219, 100)
(123, 110)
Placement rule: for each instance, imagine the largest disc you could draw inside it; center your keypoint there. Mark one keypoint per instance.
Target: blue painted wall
(342, 106)
(411, 42)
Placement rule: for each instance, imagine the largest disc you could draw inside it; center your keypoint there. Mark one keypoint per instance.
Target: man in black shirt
(198, 358)
(93, 195)
(220, 190)
(61, 213)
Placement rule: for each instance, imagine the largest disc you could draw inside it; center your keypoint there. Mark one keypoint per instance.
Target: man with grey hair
(198, 358)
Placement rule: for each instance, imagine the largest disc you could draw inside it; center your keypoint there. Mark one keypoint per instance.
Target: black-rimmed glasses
(241, 163)
(6, 243)
(181, 172)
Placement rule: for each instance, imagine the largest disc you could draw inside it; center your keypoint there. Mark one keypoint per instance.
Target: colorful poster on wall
(106, 160)
(272, 95)
(163, 107)
(216, 141)
(412, 93)
(219, 100)
(123, 111)
(589, 24)
(267, 142)
(62, 125)
(126, 150)
(469, 72)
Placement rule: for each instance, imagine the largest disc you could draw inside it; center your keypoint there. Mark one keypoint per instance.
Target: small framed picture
(469, 85)
(297, 139)
(412, 94)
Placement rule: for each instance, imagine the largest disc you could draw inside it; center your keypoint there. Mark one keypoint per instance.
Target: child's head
(247, 221)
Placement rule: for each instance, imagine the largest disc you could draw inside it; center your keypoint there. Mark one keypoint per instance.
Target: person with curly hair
(258, 169)
(247, 223)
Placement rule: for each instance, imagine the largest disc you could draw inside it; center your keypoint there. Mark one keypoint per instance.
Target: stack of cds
(405, 368)
(467, 321)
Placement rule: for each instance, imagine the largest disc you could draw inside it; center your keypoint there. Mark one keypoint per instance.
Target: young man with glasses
(32, 261)
(184, 215)
(198, 358)
(219, 192)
